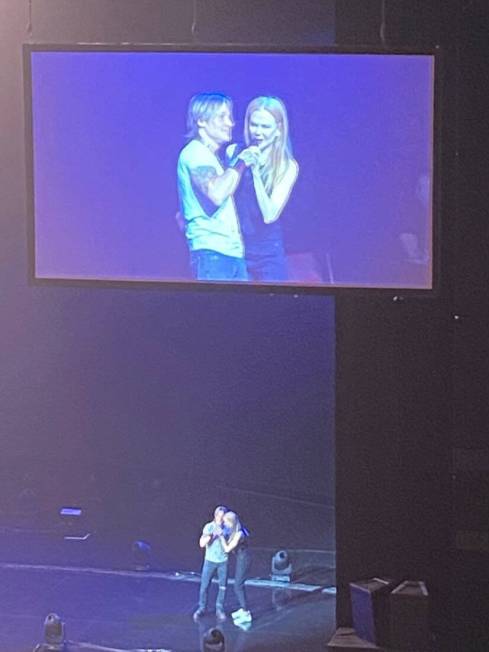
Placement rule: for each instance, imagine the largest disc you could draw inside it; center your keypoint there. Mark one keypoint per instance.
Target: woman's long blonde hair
(281, 152)
(236, 523)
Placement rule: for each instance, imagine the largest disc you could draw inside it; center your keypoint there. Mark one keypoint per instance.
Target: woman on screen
(265, 187)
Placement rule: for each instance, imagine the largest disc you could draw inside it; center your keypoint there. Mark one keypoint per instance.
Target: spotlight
(54, 635)
(281, 567)
(213, 641)
(141, 551)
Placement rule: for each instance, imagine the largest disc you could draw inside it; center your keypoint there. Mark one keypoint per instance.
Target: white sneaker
(237, 614)
(245, 617)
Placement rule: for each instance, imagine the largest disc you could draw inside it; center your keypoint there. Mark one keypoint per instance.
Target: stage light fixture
(281, 567)
(213, 641)
(54, 635)
(142, 555)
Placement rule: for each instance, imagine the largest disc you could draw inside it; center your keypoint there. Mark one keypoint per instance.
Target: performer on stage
(206, 191)
(265, 187)
(215, 562)
(234, 539)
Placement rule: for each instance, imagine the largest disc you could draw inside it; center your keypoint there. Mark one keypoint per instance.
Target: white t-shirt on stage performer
(207, 226)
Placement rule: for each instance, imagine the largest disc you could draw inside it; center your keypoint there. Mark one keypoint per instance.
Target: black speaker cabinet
(409, 617)
(370, 609)
(346, 640)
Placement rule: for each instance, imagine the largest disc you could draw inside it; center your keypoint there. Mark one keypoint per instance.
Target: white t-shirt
(214, 551)
(207, 226)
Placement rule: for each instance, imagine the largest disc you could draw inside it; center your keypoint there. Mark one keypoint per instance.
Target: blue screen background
(108, 128)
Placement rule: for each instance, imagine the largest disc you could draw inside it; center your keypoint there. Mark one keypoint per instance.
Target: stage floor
(127, 610)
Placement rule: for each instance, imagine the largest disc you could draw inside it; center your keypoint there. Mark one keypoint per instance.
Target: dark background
(412, 391)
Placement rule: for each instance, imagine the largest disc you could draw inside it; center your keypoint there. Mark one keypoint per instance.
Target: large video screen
(296, 169)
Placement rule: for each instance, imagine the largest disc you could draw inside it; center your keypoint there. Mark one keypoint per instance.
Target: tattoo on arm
(202, 177)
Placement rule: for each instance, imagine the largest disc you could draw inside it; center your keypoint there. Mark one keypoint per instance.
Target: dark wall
(416, 372)
(470, 337)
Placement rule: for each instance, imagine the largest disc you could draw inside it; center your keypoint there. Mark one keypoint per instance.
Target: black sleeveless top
(243, 542)
(253, 228)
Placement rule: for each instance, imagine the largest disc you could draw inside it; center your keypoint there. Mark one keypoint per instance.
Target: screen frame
(396, 292)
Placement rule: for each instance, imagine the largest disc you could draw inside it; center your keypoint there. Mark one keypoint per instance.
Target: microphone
(266, 143)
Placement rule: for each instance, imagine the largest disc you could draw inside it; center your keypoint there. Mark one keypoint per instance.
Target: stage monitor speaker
(346, 640)
(409, 617)
(370, 609)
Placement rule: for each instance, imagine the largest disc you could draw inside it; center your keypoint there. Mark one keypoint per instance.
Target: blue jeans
(266, 261)
(209, 569)
(243, 563)
(210, 265)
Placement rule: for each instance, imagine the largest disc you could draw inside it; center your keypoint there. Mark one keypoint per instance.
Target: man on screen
(206, 191)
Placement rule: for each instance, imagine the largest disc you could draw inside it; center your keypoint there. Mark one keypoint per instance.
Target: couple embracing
(232, 195)
(222, 538)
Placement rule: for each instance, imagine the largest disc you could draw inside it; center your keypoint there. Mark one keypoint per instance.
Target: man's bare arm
(216, 187)
(204, 540)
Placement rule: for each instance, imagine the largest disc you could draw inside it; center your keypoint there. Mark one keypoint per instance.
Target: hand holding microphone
(250, 155)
